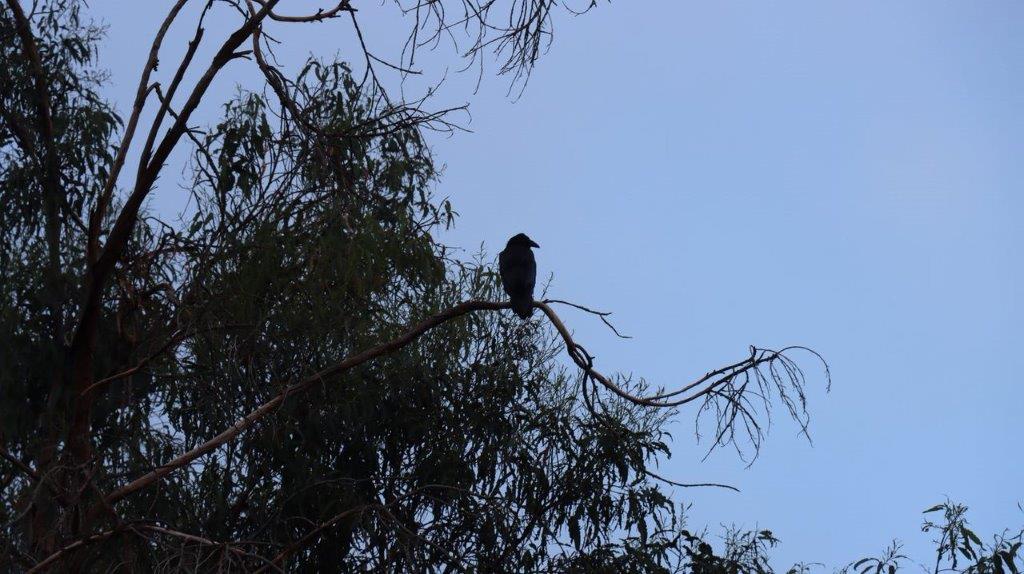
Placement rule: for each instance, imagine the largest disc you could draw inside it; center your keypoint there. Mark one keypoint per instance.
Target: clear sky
(846, 175)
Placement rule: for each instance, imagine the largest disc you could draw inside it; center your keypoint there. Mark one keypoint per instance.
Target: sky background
(842, 175)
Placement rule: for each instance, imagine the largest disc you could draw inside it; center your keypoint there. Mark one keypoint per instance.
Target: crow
(518, 272)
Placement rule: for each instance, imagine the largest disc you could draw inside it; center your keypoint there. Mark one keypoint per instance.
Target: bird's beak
(534, 244)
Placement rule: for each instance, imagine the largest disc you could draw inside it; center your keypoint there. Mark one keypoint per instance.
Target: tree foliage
(296, 374)
(129, 340)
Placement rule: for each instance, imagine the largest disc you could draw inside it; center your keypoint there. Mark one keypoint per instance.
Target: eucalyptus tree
(296, 373)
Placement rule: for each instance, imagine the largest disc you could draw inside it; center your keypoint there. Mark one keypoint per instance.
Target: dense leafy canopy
(310, 237)
(469, 449)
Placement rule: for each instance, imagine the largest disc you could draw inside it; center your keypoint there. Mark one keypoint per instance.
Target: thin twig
(689, 484)
(603, 315)
(175, 340)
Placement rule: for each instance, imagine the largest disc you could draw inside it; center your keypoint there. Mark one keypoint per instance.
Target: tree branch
(318, 16)
(165, 104)
(689, 484)
(171, 343)
(84, 342)
(121, 232)
(193, 538)
(576, 352)
(585, 362)
(20, 465)
(603, 315)
(129, 132)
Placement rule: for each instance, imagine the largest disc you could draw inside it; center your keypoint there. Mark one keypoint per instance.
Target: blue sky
(842, 175)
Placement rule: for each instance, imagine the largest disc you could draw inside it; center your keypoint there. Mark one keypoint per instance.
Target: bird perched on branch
(518, 271)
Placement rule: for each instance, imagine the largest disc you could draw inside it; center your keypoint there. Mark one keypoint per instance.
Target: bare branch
(603, 315)
(165, 103)
(129, 132)
(690, 484)
(277, 82)
(319, 16)
(49, 561)
(585, 362)
(576, 352)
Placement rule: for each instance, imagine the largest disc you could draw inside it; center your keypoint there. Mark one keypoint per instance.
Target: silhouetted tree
(296, 372)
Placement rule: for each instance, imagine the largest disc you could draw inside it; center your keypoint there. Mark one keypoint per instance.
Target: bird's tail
(523, 306)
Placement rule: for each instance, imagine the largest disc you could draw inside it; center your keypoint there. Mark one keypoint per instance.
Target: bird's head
(521, 239)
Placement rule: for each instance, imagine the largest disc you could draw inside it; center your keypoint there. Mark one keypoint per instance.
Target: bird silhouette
(518, 271)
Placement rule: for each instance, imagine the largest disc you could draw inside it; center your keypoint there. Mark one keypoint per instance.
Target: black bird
(518, 272)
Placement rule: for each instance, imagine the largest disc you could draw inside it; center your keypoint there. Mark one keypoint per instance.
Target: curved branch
(193, 538)
(585, 363)
(277, 83)
(575, 350)
(603, 315)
